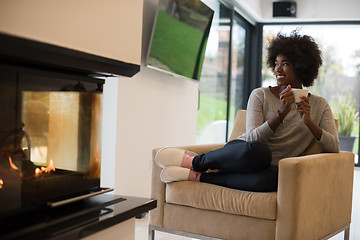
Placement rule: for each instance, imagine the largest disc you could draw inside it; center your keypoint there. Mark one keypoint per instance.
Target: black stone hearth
(75, 220)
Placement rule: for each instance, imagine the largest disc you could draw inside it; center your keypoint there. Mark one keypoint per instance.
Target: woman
(276, 127)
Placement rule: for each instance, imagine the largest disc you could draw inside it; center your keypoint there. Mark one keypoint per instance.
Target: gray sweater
(292, 137)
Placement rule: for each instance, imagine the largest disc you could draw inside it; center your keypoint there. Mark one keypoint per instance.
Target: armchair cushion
(212, 197)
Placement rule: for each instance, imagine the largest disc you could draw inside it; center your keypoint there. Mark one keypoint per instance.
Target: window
(339, 77)
(238, 69)
(212, 121)
(223, 75)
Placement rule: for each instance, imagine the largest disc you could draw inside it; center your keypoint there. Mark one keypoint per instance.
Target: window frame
(253, 42)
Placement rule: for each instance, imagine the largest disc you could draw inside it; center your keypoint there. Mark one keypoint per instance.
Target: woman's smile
(285, 73)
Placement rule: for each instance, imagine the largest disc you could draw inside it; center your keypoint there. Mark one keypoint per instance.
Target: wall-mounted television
(179, 37)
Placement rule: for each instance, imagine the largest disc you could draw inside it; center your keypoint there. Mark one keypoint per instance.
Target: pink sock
(194, 176)
(187, 161)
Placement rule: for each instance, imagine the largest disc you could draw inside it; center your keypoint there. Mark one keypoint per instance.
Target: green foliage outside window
(345, 112)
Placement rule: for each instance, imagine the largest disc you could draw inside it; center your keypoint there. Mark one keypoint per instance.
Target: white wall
(109, 136)
(154, 110)
(251, 10)
(147, 111)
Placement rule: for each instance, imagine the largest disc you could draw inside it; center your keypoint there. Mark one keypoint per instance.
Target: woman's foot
(174, 157)
(175, 174)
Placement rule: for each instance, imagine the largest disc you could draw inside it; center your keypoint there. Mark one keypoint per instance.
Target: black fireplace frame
(36, 54)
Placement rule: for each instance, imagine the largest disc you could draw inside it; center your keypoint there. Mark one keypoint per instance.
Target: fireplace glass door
(50, 131)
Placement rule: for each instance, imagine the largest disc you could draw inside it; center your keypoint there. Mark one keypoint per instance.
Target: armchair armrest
(314, 195)
(158, 187)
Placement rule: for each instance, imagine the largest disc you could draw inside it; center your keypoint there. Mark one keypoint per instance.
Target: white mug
(298, 93)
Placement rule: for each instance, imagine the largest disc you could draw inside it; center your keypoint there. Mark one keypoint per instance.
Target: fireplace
(50, 124)
(50, 137)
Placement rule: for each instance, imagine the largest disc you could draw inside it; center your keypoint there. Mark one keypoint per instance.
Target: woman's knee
(260, 152)
(254, 149)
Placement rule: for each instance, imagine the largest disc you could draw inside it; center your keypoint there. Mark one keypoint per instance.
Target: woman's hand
(303, 108)
(286, 101)
(286, 98)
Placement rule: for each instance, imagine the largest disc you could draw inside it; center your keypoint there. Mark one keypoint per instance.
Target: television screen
(179, 37)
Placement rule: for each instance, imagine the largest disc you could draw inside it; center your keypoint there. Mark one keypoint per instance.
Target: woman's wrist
(282, 114)
(280, 117)
(314, 129)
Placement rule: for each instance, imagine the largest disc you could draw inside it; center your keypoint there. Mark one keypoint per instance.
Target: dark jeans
(242, 165)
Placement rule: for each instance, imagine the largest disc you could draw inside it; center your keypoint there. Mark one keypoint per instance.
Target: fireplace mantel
(16, 50)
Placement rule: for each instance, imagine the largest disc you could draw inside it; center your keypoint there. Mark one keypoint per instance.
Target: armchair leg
(345, 229)
(347, 234)
(151, 234)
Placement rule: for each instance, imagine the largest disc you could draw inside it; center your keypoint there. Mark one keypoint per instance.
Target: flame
(12, 165)
(51, 165)
(97, 153)
(1, 183)
(47, 169)
(37, 171)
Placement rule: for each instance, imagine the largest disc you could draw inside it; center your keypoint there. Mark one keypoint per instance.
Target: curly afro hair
(302, 51)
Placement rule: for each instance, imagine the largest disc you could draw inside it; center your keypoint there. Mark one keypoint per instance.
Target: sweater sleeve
(329, 140)
(257, 128)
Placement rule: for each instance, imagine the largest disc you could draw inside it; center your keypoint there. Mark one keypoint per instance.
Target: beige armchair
(313, 201)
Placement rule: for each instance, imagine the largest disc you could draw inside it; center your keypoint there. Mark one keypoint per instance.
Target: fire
(1, 183)
(37, 171)
(12, 165)
(47, 169)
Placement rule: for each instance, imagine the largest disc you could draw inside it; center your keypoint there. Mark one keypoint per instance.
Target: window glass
(339, 77)
(237, 71)
(213, 85)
